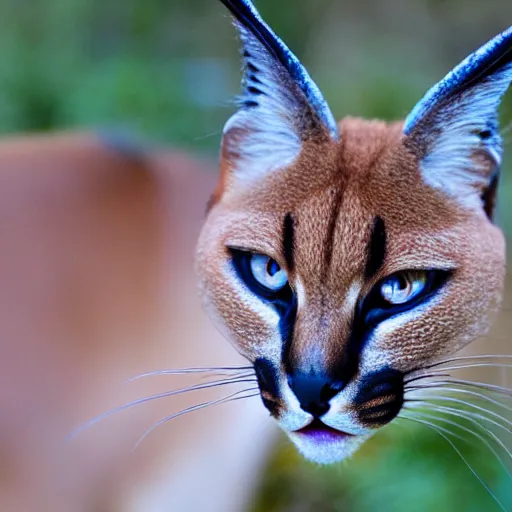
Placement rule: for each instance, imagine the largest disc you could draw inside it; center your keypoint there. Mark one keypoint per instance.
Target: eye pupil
(401, 282)
(265, 271)
(272, 267)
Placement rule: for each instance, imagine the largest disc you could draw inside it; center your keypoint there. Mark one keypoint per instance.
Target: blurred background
(168, 70)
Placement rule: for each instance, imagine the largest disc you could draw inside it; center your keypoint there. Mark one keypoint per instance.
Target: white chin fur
(327, 452)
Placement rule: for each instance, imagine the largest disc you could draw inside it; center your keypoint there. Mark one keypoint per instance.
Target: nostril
(313, 391)
(317, 409)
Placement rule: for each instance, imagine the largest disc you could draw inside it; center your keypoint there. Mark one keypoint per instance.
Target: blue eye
(267, 272)
(402, 287)
(401, 292)
(263, 276)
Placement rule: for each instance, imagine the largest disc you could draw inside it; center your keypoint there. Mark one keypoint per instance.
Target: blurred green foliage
(404, 468)
(168, 69)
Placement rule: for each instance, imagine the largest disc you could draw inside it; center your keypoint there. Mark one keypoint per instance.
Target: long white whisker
(422, 415)
(187, 371)
(440, 431)
(506, 129)
(150, 398)
(448, 379)
(474, 406)
(232, 376)
(204, 405)
(468, 415)
(473, 417)
(455, 412)
(467, 358)
(436, 387)
(479, 385)
(473, 365)
(416, 377)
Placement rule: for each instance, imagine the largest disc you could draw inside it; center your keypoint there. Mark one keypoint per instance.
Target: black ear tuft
(280, 108)
(253, 29)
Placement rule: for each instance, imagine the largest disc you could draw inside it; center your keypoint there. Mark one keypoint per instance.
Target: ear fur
(454, 128)
(280, 107)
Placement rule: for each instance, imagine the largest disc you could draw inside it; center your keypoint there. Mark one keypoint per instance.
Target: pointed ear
(454, 129)
(281, 106)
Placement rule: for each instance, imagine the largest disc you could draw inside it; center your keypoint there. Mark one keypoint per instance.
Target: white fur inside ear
(260, 143)
(267, 131)
(464, 144)
(451, 167)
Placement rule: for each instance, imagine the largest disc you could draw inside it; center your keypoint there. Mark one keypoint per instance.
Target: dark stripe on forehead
(376, 248)
(331, 230)
(289, 240)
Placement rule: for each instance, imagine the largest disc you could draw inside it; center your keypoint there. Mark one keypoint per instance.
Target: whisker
(440, 430)
(475, 365)
(186, 371)
(150, 398)
(473, 417)
(478, 385)
(207, 135)
(474, 406)
(437, 387)
(462, 413)
(224, 374)
(424, 376)
(463, 382)
(204, 405)
(467, 358)
(457, 367)
(472, 393)
(454, 412)
(422, 415)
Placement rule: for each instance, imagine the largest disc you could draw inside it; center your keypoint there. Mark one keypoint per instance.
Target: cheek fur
(460, 313)
(246, 320)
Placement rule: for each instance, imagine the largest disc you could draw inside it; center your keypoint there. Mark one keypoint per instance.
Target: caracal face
(343, 259)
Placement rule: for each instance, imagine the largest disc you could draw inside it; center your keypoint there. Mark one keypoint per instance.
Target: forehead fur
(370, 164)
(333, 193)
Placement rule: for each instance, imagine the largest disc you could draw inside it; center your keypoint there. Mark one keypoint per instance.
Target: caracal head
(341, 258)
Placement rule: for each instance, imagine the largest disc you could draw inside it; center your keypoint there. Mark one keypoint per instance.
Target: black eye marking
(251, 104)
(373, 309)
(289, 240)
(286, 330)
(281, 298)
(376, 248)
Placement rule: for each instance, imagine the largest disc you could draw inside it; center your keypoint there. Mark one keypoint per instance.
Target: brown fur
(97, 286)
(333, 191)
(368, 173)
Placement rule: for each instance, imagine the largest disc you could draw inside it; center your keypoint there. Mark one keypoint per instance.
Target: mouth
(319, 432)
(323, 444)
